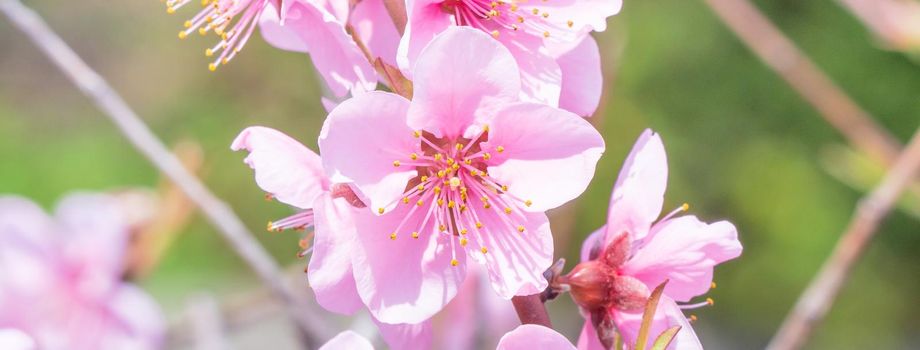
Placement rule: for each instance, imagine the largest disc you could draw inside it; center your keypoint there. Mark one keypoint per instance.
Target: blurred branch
(817, 299)
(781, 55)
(130, 124)
(206, 323)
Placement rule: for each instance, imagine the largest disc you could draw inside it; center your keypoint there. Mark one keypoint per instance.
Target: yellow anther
(712, 285)
(528, 202)
(493, 13)
(406, 200)
(202, 31)
(419, 203)
(520, 19)
(458, 146)
(546, 34)
(451, 204)
(495, 34)
(437, 157)
(219, 31)
(482, 173)
(462, 208)
(396, 163)
(442, 228)
(209, 52)
(420, 187)
(570, 23)
(520, 228)
(507, 210)
(424, 178)
(437, 190)
(486, 156)
(484, 250)
(536, 12)
(693, 318)
(212, 67)
(710, 301)
(468, 161)
(393, 236)
(455, 166)
(441, 173)
(500, 149)
(514, 7)
(224, 60)
(463, 231)
(415, 235)
(463, 242)
(504, 188)
(450, 161)
(454, 182)
(454, 262)
(182, 35)
(487, 205)
(463, 197)
(269, 226)
(417, 134)
(413, 156)
(473, 172)
(379, 210)
(545, 14)
(685, 207)
(440, 203)
(187, 24)
(493, 4)
(170, 10)
(478, 224)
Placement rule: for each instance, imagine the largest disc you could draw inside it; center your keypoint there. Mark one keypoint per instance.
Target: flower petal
(330, 271)
(374, 26)
(515, 260)
(482, 77)
(140, 314)
(667, 315)
(406, 336)
(426, 20)
(531, 336)
(95, 239)
(404, 280)
(541, 76)
(549, 155)
(27, 254)
(14, 339)
(639, 191)
(584, 14)
(592, 244)
(582, 79)
(308, 28)
(285, 168)
(347, 340)
(588, 340)
(360, 140)
(683, 250)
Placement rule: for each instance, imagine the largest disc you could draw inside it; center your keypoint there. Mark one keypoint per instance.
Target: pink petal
(374, 26)
(531, 336)
(94, 233)
(347, 340)
(139, 314)
(582, 79)
(686, 338)
(593, 244)
(482, 77)
(426, 20)
(14, 339)
(330, 271)
(288, 170)
(683, 250)
(29, 264)
(549, 154)
(639, 191)
(404, 280)
(587, 340)
(584, 14)
(360, 140)
(541, 76)
(315, 30)
(406, 336)
(515, 261)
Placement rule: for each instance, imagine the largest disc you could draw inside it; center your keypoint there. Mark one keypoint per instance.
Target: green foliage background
(741, 146)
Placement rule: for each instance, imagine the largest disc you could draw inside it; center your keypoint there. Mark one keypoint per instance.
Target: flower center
(232, 20)
(495, 17)
(456, 193)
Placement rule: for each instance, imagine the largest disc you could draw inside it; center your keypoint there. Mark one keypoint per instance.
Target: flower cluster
(418, 193)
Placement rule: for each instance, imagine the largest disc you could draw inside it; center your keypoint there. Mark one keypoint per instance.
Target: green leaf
(648, 315)
(664, 339)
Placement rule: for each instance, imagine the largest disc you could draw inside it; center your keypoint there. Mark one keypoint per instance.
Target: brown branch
(531, 310)
(130, 124)
(817, 299)
(781, 55)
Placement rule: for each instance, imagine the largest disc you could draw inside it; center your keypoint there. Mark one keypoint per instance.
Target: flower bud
(590, 284)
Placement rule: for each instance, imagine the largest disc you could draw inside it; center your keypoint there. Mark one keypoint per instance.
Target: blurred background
(741, 145)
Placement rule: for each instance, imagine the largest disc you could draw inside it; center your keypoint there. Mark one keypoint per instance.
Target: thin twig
(781, 54)
(531, 310)
(134, 129)
(817, 299)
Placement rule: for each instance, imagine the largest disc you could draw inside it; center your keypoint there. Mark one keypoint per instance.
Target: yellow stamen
(528, 203)
(495, 34)
(463, 242)
(500, 149)
(454, 262)
(393, 236)
(413, 156)
(379, 210)
(396, 163)
(484, 250)
(415, 235)
(520, 228)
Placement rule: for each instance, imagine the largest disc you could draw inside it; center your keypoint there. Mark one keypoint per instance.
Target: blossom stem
(531, 310)
(817, 299)
(130, 124)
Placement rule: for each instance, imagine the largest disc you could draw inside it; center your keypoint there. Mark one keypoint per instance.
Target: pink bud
(590, 284)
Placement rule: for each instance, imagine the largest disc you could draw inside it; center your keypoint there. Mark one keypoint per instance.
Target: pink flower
(531, 336)
(348, 340)
(61, 277)
(559, 62)
(623, 261)
(316, 27)
(464, 169)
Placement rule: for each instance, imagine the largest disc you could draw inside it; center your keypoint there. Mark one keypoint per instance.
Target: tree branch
(129, 123)
(817, 299)
(531, 310)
